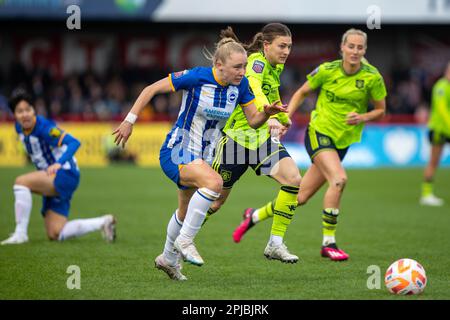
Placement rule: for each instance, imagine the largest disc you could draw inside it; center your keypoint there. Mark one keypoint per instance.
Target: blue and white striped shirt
(206, 106)
(46, 144)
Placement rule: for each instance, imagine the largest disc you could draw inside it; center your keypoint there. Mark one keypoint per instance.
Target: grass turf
(380, 222)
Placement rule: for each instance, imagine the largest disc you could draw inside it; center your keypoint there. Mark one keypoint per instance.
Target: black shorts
(232, 160)
(437, 138)
(315, 142)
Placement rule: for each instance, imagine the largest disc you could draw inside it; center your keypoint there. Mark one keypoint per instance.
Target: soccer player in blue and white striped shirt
(210, 94)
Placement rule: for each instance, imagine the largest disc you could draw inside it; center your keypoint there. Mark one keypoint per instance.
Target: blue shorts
(66, 182)
(172, 158)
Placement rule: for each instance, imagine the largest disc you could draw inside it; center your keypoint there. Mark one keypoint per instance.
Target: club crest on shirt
(231, 97)
(359, 84)
(258, 66)
(55, 133)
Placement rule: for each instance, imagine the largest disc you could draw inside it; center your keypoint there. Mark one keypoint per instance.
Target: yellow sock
(264, 212)
(284, 209)
(208, 214)
(329, 223)
(427, 188)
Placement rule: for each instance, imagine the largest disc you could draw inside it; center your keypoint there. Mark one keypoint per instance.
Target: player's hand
(123, 132)
(285, 127)
(354, 118)
(275, 108)
(274, 128)
(51, 170)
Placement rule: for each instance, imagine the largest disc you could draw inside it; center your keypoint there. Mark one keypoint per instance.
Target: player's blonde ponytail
(224, 48)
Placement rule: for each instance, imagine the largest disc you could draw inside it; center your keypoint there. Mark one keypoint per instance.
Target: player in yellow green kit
(439, 134)
(347, 86)
(242, 147)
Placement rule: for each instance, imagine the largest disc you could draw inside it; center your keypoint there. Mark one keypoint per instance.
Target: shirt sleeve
(256, 87)
(183, 79)
(378, 89)
(255, 69)
(246, 95)
(317, 77)
(440, 100)
(56, 137)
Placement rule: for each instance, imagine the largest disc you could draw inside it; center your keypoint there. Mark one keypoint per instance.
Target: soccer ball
(405, 276)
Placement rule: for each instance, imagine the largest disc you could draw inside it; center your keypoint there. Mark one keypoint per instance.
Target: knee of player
(21, 181)
(53, 234)
(294, 179)
(214, 183)
(339, 181)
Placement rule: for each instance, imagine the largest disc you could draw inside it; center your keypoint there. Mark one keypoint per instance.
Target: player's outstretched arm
(256, 118)
(123, 131)
(298, 97)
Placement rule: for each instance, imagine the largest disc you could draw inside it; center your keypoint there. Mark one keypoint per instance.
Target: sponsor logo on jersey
(179, 74)
(55, 133)
(258, 66)
(266, 89)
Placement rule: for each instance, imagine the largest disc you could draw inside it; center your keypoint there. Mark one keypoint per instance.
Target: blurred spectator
(91, 96)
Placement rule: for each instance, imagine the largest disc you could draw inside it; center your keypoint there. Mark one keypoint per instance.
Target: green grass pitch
(380, 222)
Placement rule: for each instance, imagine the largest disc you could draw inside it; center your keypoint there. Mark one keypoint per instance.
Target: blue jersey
(206, 106)
(47, 144)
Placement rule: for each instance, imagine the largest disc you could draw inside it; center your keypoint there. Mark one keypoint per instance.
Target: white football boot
(431, 200)
(174, 272)
(109, 228)
(188, 251)
(280, 252)
(16, 238)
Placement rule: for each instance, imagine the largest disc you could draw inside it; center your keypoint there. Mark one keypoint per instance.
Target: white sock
(79, 227)
(255, 217)
(275, 240)
(196, 212)
(173, 230)
(327, 240)
(22, 206)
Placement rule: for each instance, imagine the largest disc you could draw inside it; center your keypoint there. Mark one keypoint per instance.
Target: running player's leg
(197, 174)
(287, 174)
(231, 163)
(329, 163)
(169, 261)
(217, 204)
(311, 182)
(428, 197)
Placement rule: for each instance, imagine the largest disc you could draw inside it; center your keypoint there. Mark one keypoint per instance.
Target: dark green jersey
(440, 107)
(264, 81)
(340, 94)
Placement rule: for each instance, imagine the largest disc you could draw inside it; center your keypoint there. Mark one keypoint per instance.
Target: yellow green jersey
(264, 80)
(340, 94)
(440, 107)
